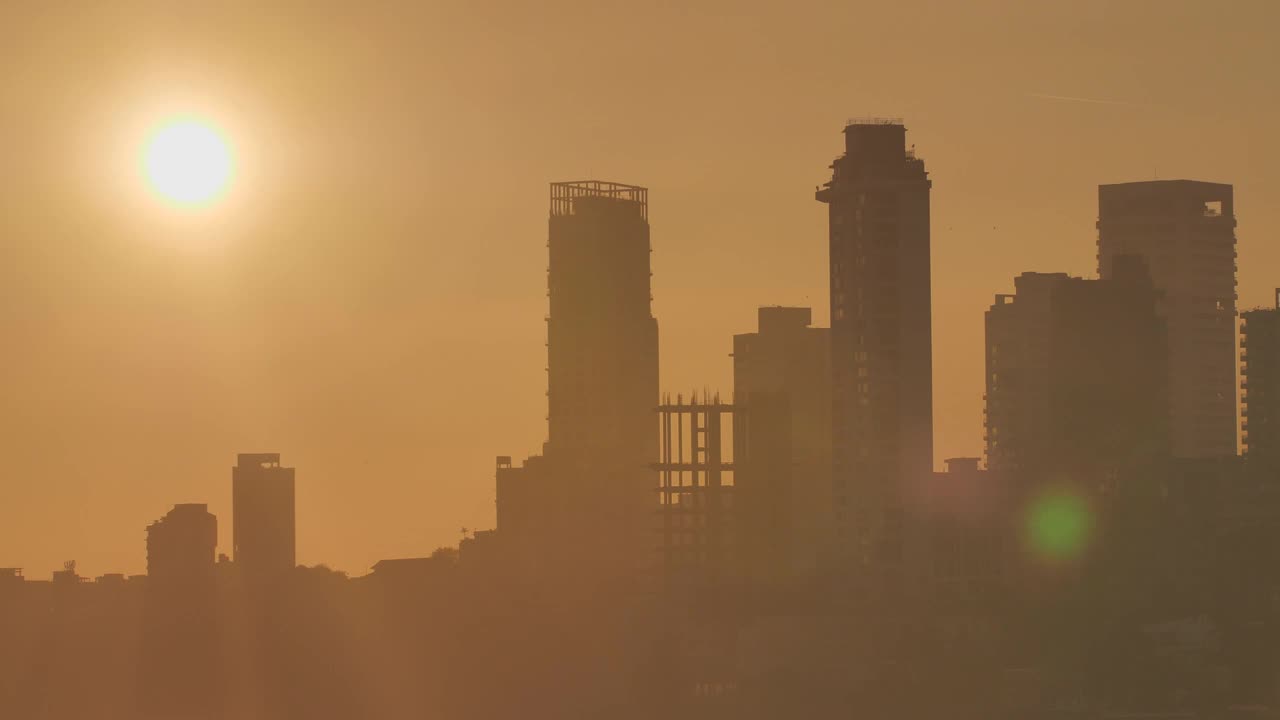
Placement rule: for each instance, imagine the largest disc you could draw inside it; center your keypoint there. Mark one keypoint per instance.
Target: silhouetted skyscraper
(602, 339)
(262, 516)
(782, 382)
(1185, 230)
(592, 497)
(881, 345)
(1260, 350)
(1076, 379)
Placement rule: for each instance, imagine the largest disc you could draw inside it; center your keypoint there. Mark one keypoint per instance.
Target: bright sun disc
(187, 162)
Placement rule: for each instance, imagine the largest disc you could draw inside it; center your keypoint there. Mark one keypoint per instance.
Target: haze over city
(697, 360)
(366, 297)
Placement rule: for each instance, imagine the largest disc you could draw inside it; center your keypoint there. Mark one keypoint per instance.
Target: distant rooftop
(564, 194)
(1156, 185)
(873, 146)
(871, 120)
(258, 459)
(1165, 197)
(777, 318)
(1265, 309)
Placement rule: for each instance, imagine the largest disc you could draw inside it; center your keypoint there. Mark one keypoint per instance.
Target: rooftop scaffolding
(563, 195)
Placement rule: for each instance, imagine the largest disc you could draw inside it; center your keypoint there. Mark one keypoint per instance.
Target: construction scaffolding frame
(696, 490)
(563, 195)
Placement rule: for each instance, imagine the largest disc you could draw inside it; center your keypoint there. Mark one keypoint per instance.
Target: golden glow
(187, 162)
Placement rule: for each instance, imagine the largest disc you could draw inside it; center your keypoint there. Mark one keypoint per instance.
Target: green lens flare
(1058, 525)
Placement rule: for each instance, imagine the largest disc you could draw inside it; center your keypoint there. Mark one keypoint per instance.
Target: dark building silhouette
(1086, 572)
(881, 345)
(782, 382)
(1185, 230)
(404, 572)
(524, 500)
(182, 546)
(590, 497)
(69, 648)
(1076, 379)
(68, 575)
(263, 528)
(481, 552)
(968, 510)
(1260, 351)
(602, 339)
(178, 672)
(697, 494)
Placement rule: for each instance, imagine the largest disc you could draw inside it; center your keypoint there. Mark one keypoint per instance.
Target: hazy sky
(369, 299)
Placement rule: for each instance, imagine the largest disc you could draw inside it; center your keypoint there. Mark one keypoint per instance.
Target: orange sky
(369, 299)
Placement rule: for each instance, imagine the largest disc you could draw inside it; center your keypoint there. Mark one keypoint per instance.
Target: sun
(187, 162)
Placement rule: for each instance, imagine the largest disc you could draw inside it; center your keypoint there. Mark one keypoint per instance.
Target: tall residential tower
(1076, 378)
(1185, 230)
(881, 345)
(262, 516)
(782, 385)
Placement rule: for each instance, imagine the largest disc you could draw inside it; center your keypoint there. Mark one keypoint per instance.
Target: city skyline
(579, 359)
(580, 259)
(727, 392)
(788, 546)
(392, 283)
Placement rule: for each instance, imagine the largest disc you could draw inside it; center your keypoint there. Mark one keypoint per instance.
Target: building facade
(881, 344)
(181, 547)
(179, 669)
(1076, 376)
(1185, 231)
(263, 521)
(1260, 351)
(782, 384)
(698, 529)
(602, 338)
(591, 497)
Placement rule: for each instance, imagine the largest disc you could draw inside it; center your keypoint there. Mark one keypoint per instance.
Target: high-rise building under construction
(602, 338)
(881, 345)
(591, 498)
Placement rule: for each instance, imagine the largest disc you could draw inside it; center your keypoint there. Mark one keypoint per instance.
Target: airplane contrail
(1092, 101)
